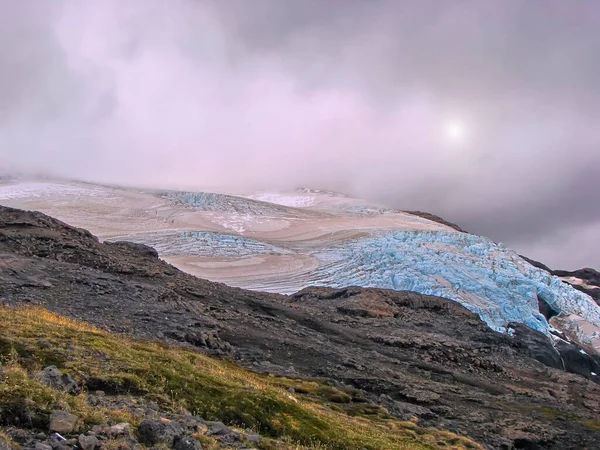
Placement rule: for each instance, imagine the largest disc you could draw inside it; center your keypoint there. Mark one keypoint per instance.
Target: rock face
(416, 355)
(538, 346)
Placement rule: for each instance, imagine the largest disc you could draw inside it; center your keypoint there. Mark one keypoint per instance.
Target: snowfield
(50, 190)
(284, 241)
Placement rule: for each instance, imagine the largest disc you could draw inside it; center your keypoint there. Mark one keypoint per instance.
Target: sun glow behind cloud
(455, 131)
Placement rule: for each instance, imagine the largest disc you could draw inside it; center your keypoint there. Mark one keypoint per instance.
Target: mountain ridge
(415, 355)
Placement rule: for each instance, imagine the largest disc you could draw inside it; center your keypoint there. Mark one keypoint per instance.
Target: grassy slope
(315, 416)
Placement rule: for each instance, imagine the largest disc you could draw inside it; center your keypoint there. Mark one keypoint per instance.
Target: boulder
(156, 431)
(62, 382)
(62, 422)
(187, 443)
(122, 429)
(217, 429)
(44, 343)
(87, 442)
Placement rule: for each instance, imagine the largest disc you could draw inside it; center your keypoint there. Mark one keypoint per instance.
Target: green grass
(547, 412)
(591, 424)
(315, 416)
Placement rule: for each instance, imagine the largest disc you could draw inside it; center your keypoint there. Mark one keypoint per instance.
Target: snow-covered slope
(284, 241)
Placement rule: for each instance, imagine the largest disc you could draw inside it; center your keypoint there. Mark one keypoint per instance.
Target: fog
(483, 112)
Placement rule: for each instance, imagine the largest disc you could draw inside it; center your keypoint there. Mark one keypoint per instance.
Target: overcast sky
(484, 112)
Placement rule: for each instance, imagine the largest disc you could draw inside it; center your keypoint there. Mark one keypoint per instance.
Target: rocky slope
(285, 241)
(115, 392)
(415, 355)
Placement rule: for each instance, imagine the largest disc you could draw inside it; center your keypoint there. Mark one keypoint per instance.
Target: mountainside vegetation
(287, 412)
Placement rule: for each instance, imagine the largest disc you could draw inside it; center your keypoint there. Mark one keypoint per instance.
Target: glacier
(203, 244)
(485, 277)
(209, 201)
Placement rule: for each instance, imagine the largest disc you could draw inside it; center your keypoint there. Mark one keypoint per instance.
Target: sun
(454, 131)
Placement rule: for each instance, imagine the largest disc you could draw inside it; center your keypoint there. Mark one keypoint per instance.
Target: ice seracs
(485, 277)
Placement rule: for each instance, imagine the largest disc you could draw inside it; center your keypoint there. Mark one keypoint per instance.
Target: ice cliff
(485, 277)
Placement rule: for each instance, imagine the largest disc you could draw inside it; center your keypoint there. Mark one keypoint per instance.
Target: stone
(62, 422)
(217, 429)
(87, 442)
(44, 343)
(156, 431)
(189, 422)
(122, 429)
(252, 438)
(62, 382)
(187, 443)
(42, 446)
(96, 429)
(576, 360)
(19, 435)
(63, 446)
(201, 428)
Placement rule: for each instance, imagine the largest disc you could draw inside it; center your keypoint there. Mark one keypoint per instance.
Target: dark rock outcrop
(434, 218)
(537, 345)
(576, 360)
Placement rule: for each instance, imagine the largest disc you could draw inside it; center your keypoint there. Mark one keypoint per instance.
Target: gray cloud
(351, 95)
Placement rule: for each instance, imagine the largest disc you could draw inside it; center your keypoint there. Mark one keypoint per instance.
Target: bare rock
(54, 378)
(156, 431)
(42, 446)
(187, 443)
(252, 438)
(217, 429)
(122, 429)
(87, 442)
(62, 422)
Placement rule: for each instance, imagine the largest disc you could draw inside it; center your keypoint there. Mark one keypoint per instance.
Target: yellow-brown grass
(317, 416)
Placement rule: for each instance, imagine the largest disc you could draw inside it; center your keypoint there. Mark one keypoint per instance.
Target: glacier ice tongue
(485, 277)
